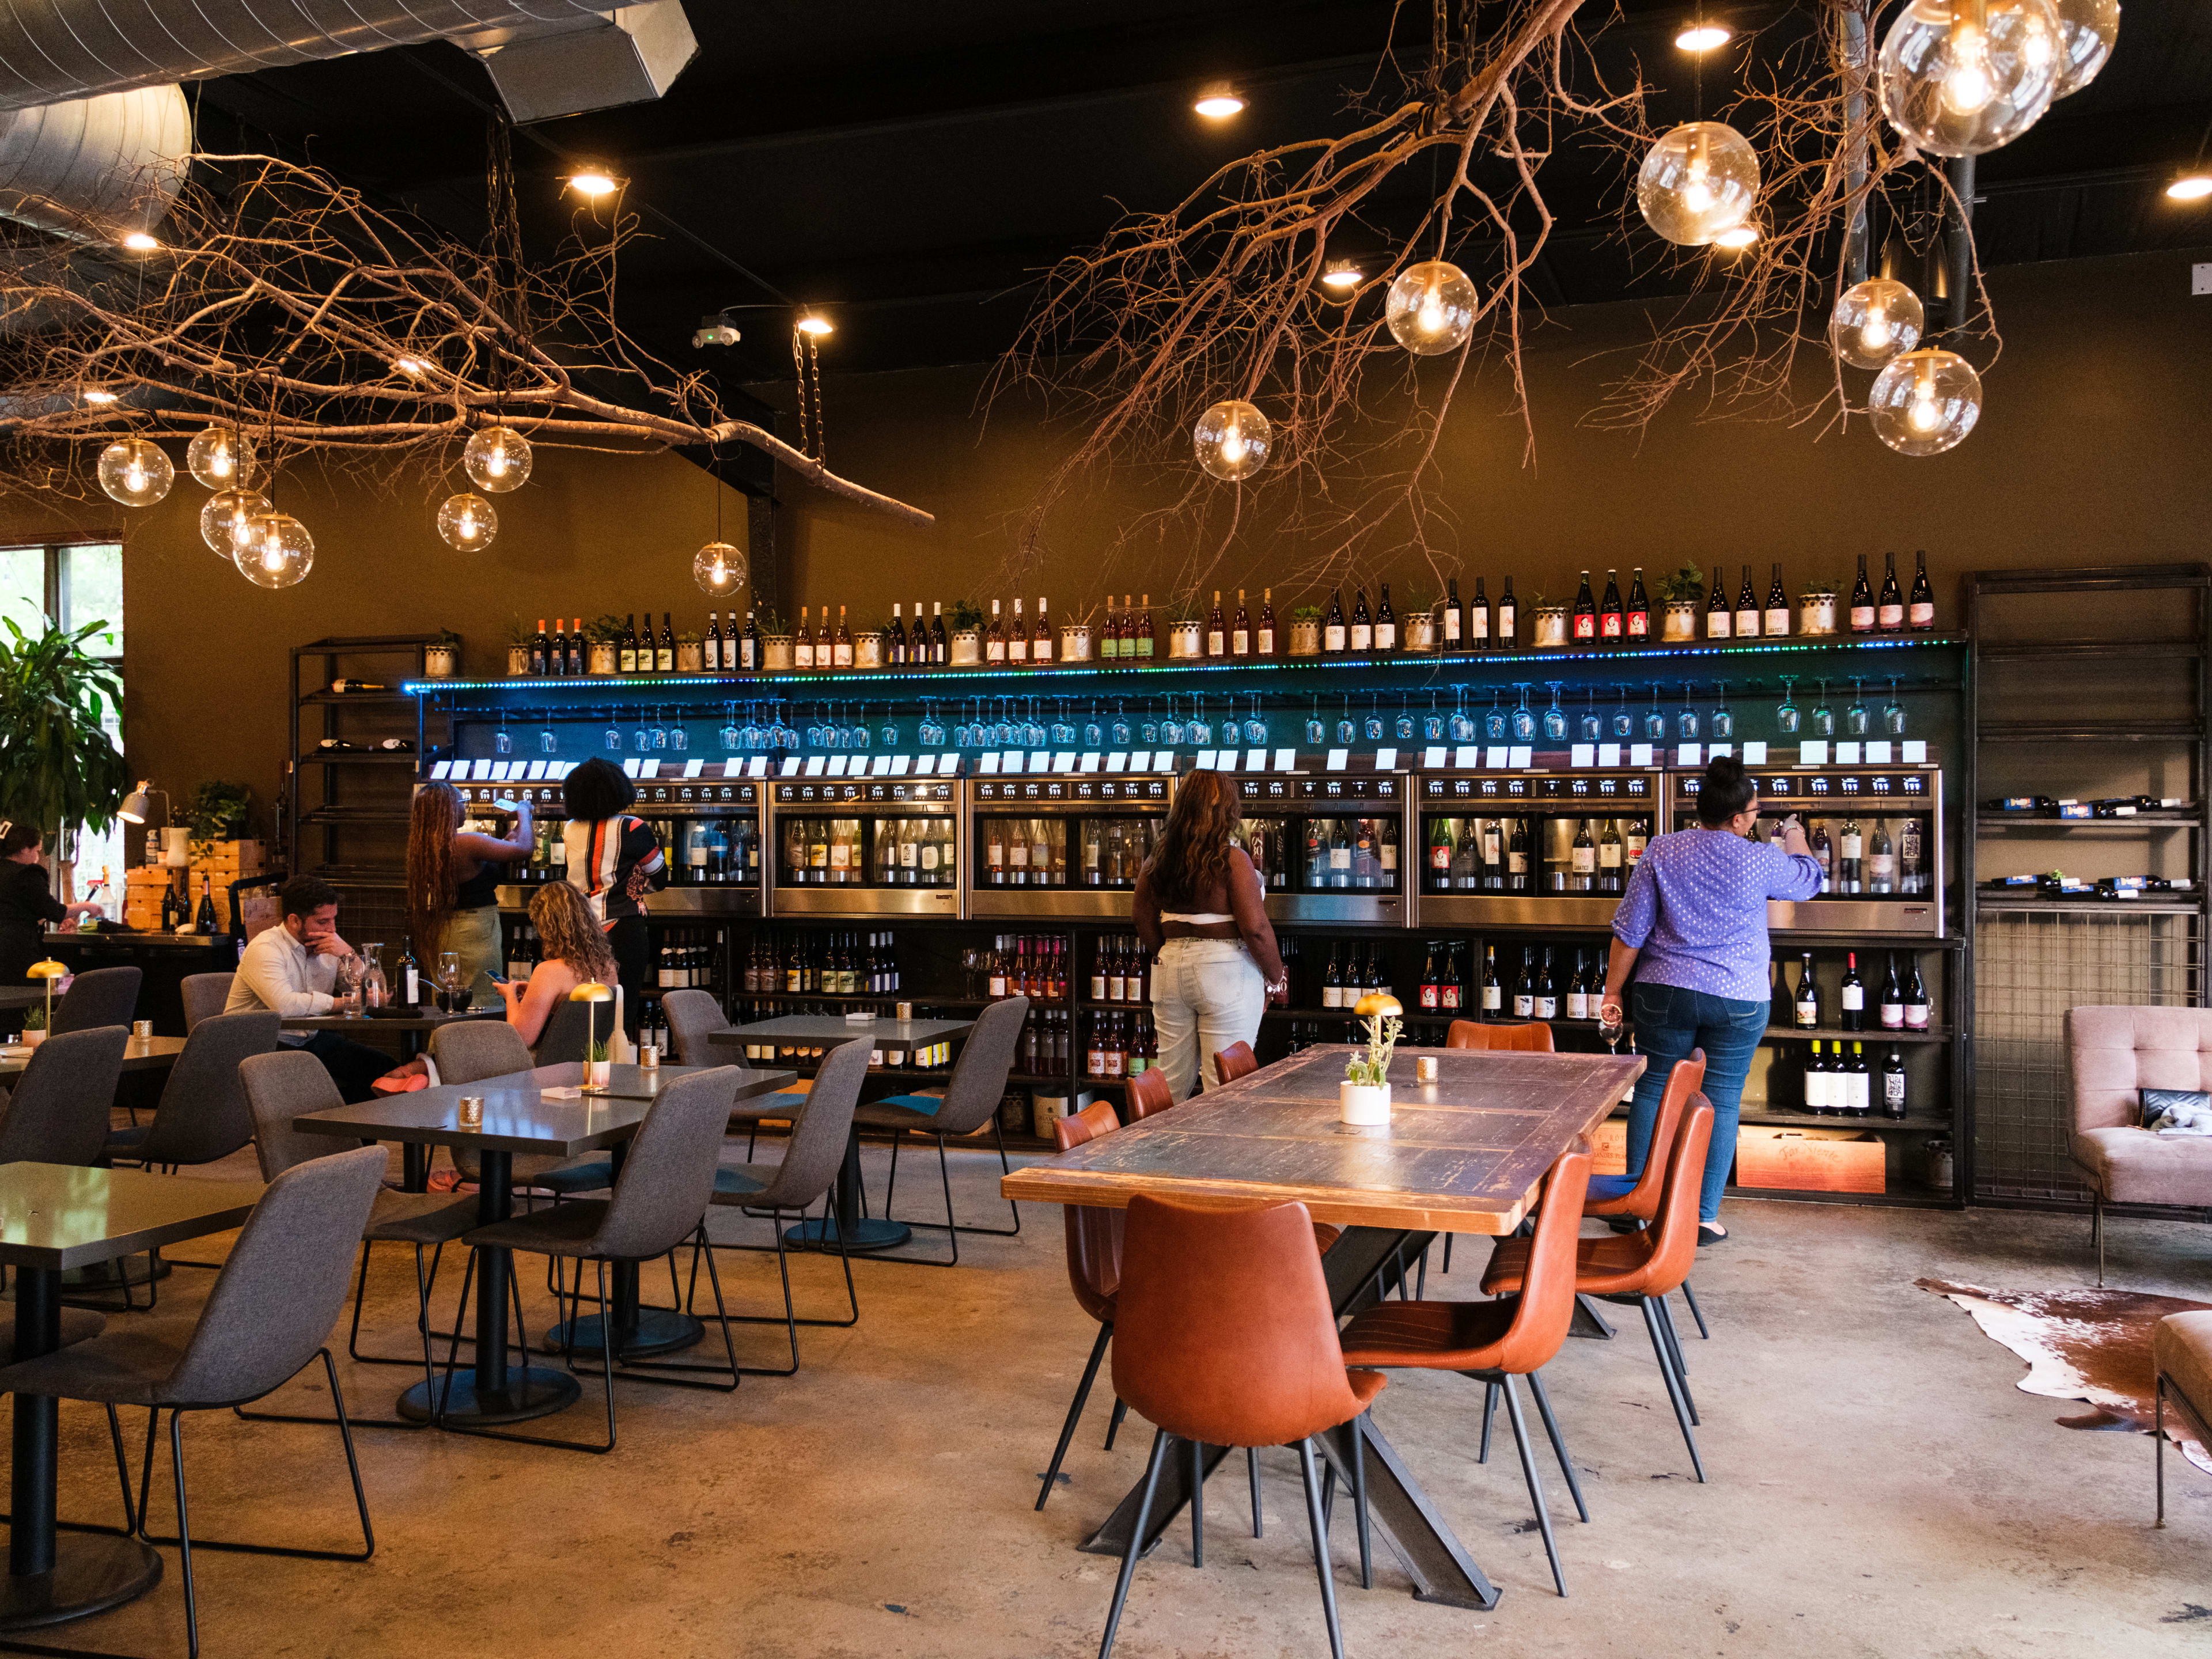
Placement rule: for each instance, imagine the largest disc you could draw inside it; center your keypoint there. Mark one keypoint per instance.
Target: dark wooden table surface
(410, 1029)
(54, 1217)
(812, 1028)
(140, 1055)
(24, 996)
(1462, 1155)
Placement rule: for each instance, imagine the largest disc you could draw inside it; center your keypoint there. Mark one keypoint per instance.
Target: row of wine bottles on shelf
(1837, 1085)
(1120, 969)
(1032, 965)
(1524, 855)
(890, 1054)
(908, 852)
(2066, 806)
(1034, 853)
(1121, 1045)
(1902, 1004)
(1853, 861)
(822, 964)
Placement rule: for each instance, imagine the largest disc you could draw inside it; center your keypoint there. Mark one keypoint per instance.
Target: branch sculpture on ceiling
(1238, 328)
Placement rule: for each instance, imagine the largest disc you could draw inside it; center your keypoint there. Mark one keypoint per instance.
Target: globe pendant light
(1874, 321)
(720, 569)
(1925, 401)
(277, 552)
(1231, 440)
(227, 518)
(2087, 30)
(135, 471)
(1431, 308)
(467, 523)
(1959, 77)
(1697, 181)
(497, 459)
(221, 458)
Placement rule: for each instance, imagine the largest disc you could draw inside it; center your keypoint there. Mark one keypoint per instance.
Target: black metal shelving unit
(348, 817)
(2040, 700)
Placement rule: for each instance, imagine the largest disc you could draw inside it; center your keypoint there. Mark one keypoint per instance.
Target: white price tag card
(902, 763)
(483, 768)
(499, 771)
(948, 766)
(1755, 754)
(536, 770)
(1011, 761)
(879, 767)
(1520, 755)
(1686, 754)
(1467, 755)
(924, 765)
(990, 765)
(693, 769)
(1337, 757)
(1117, 762)
(441, 769)
(1089, 762)
(1433, 756)
(1385, 759)
(1608, 754)
(758, 769)
(1715, 751)
(1915, 751)
(813, 766)
(1582, 753)
(733, 769)
(836, 766)
(1287, 760)
(1493, 754)
(1812, 752)
(1040, 761)
(1847, 754)
(1206, 760)
(1255, 760)
(1639, 754)
(790, 767)
(1064, 761)
(630, 767)
(1877, 752)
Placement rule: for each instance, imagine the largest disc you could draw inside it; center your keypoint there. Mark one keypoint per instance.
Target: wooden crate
(1809, 1160)
(1610, 1142)
(231, 858)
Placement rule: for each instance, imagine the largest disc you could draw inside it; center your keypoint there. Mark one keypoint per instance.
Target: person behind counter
(27, 904)
(453, 879)
(1198, 907)
(1692, 929)
(614, 861)
(291, 968)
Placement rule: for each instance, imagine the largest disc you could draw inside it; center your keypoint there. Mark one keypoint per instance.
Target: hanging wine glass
(1094, 729)
(1624, 719)
(1373, 727)
(660, 732)
(1172, 728)
(548, 741)
(1402, 727)
(1255, 728)
(1686, 717)
(930, 734)
(679, 740)
(1201, 729)
(614, 737)
(1723, 722)
(1857, 722)
(502, 741)
(1524, 718)
(1032, 730)
(1313, 731)
(1823, 718)
(1786, 715)
(1654, 723)
(1892, 712)
(1432, 723)
(1493, 721)
(964, 730)
(642, 736)
(733, 740)
(890, 734)
(1063, 729)
(858, 735)
(1590, 727)
(814, 731)
(1148, 728)
(1346, 728)
(1120, 728)
(1555, 718)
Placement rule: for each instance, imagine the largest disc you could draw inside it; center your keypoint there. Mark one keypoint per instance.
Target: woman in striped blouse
(614, 860)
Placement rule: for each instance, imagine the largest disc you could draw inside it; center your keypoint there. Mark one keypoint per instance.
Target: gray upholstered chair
(567, 1034)
(201, 1115)
(970, 1101)
(659, 1202)
(289, 1084)
(206, 995)
(2181, 1356)
(265, 1318)
(2112, 1053)
(693, 1016)
(100, 996)
(59, 1111)
(811, 1157)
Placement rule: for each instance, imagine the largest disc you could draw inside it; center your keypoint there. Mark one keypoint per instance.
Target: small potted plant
(1075, 640)
(1547, 622)
(690, 654)
(967, 634)
(868, 648)
(1680, 595)
(1419, 630)
(217, 811)
(775, 643)
(601, 636)
(442, 658)
(517, 650)
(34, 1028)
(1362, 1099)
(1816, 607)
(1186, 631)
(1305, 631)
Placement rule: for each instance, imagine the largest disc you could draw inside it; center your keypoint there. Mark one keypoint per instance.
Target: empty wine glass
(549, 740)
(1120, 728)
(1524, 718)
(1432, 723)
(1857, 722)
(1623, 718)
(1172, 728)
(1654, 723)
(1787, 718)
(1892, 712)
(786, 737)
(449, 977)
(1555, 718)
(1590, 727)
(614, 737)
(1201, 729)
(930, 734)
(641, 738)
(1314, 733)
(733, 741)
(1723, 722)
(1345, 728)
(814, 729)
(1686, 717)
(502, 741)
(1402, 727)
(1823, 718)
(1063, 729)
(1032, 732)
(660, 732)
(1370, 725)
(858, 734)
(1094, 729)
(890, 734)
(1493, 720)
(964, 730)
(1148, 728)
(679, 738)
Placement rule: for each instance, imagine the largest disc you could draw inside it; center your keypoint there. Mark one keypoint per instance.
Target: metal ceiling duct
(95, 168)
(56, 50)
(631, 55)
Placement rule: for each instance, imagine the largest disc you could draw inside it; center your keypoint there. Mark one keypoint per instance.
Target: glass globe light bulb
(1231, 441)
(2086, 31)
(136, 472)
(227, 518)
(221, 458)
(467, 523)
(720, 569)
(1959, 77)
(1874, 321)
(277, 551)
(497, 459)
(1699, 181)
(1431, 308)
(1925, 401)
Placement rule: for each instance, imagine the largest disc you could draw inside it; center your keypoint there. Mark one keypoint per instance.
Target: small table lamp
(592, 992)
(49, 971)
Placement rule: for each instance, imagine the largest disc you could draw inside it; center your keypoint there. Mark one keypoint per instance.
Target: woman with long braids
(452, 881)
(1199, 909)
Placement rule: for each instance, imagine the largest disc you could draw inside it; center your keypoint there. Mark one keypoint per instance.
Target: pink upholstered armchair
(2111, 1052)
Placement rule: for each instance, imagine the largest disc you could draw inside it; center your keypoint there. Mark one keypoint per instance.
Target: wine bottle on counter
(539, 647)
(895, 642)
(1638, 628)
(1386, 623)
(1921, 608)
(1332, 627)
(1493, 988)
(1266, 644)
(1720, 620)
(1362, 625)
(940, 649)
(1217, 629)
(1777, 606)
(1454, 619)
(748, 648)
(994, 638)
(204, 922)
(1861, 601)
(1808, 994)
(1018, 639)
(578, 657)
(1612, 624)
(802, 644)
(1585, 614)
(1478, 618)
(1851, 1005)
(1746, 609)
(664, 653)
(840, 648)
(1889, 609)
(710, 646)
(1040, 642)
(1893, 1084)
(1509, 615)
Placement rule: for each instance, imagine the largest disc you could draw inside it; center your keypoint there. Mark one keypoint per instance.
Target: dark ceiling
(912, 167)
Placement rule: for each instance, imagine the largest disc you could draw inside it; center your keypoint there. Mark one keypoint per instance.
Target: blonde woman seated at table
(576, 953)
(1199, 909)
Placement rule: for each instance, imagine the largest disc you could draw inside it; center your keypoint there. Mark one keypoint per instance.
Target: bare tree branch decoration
(285, 302)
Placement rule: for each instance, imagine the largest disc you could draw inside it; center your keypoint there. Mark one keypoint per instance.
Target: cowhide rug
(2087, 1344)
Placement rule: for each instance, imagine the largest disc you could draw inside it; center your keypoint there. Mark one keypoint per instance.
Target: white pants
(1207, 994)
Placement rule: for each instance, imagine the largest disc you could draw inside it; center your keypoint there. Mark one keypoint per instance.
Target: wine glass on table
(345, 987)
(449, 979)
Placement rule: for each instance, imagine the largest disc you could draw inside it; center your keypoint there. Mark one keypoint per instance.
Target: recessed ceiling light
(810, 324)
(139, 242)
(98, 395)
(1705, 37)
(1218, 102)
(1342, 275)
(594, 182)
(2191, 186)
(1737, 236)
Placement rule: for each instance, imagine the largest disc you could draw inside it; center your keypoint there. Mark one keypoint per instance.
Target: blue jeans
(1670, 1022)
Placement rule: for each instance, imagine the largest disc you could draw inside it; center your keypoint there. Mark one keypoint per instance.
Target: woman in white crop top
(1199, 908)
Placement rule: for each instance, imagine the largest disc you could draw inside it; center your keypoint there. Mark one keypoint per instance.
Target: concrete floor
(1879, 1486)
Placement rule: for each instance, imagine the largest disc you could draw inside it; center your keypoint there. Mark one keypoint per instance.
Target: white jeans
(1207, 994)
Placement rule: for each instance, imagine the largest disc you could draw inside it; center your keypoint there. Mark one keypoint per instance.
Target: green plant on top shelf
(1418, 599)
(1687, 583)
(606, 629)
(966, 614)
(690, 638)
(519, 632)
(1306, 613)
(217, 811)
(450, 640)
(771, 623)
(1819, 587)
(1185, 607)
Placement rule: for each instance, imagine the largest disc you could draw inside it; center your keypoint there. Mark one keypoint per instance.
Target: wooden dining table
(1465, 1154)
(147, 1054)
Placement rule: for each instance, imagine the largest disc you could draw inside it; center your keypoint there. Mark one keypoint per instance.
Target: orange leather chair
(1226, 1338)
(1640, 1267)
(1094, 1268)
(1613, 1196)
(1533, 1038)
(1146, 1093)
(1496, 1341)
(1236, 1061)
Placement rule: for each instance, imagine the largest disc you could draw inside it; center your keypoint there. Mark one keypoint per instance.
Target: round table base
(660, 1330)
(92, 1573)
(535, 1391)
(868, 1234)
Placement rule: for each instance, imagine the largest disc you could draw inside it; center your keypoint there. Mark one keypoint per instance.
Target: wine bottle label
(997, 651)
(1892, 1015)
(1451, 997)
(841, 856)
(1516, 864)
(1585, 860)
(1916, 1016)
(1389, 856)
(1523, 1004)
(1339, 858)
(1440, 856)
(1816, 1091)
(1578, 1005)
(1480, 623)
(1747, 624)
(1386, 636)
(1893, 1091)
(1639, 624)
(1892, 616)
(1610, 626)
(1266, 641)
(1778, 622)
(1862, 618)
(1452, 627)
(1882, 866)
(1923, 615)
(1547, 1007)
(1853, 997)
(1215, 642)
(1432, 996)
(1493, 999)
(1363, 636)
(1857, 1098)
(1717, 624)
(1585, 627)
(1332, 637)
(1240, 642)
(1328, 995)
(1490, 847)
(1508, 617)
(1609, 855)
(1808, 1015)
(1849, 847)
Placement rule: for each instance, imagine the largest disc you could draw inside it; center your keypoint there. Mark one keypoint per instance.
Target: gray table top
(54, 1216)
(517, 1115)
(156, 1053)
(819, 1028)
(24, 996)
(426, 1022)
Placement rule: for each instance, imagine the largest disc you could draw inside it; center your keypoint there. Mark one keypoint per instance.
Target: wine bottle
(1493, 988)
(1851, 866)
(994, 638)
(1851, 1011)
(1921, 608)
(1509, 616)
(1893, 1083)
(1747, 609)
(840, 648)
(1477, 619)
(802, 644)
(1453, 621)
(1583, 856)
(1548, 992)
(1609, 879)
(576, 653)
(1040, 642)
(1857, 1084)
(1332, 983)
(1638, 625)
(1516, 858)
(1861, 602)
(710, 647)
(1524, 990)
(1889, 609)
(1881, 862)
(1144, 630)
(1332, 627)
(204, 923)
(940, 649)
(1217, 629)
(1719, 619)
(1362, 625)
(539, 648)
(1916, 1000)
(663, 655)
(1018, 639)
(1808, 994)
(1442, 849)
(1449, 994)
(1432, 986)
(749, 648)
(895, 642)
(1585, 614)
(1266, 642)
(1612, 622)
(1892, 997)
(1386, 623)
(1777, 606)
(1578, 990)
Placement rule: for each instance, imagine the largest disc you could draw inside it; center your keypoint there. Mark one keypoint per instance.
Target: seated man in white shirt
(291, 968)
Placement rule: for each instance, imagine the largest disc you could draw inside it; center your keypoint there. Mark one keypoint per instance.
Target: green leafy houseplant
(34, 1019)
(217, 811)
(770, 624)
(58, 768)
(605, 629)
(1687, 583)
(966, 613)
(1819, 587)
(1372, 1068)
(1306, 613)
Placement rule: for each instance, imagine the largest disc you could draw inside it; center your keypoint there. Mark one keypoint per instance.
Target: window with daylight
(74, 583)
